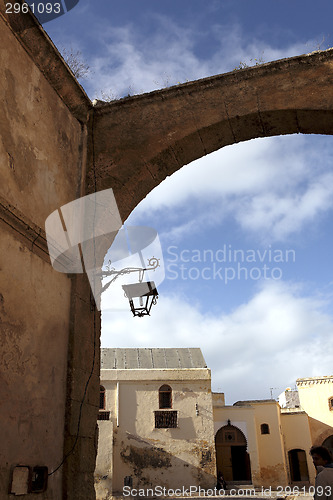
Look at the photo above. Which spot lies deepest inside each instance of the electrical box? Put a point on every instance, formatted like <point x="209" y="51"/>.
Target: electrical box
<point x="20" y="480"/>
<point x="128" y="481"/>
<point x="39" y="479"/>
<point x="26" y="480"/>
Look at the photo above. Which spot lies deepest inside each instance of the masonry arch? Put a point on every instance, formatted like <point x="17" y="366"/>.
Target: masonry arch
<point x="141" y="141"/>
<point x="324" y="437"/>
<point x="328" y="443"/>
<point x="232" y="458"/>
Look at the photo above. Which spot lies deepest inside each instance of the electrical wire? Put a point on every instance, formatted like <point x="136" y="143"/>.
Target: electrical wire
<point x="93" y="309"/>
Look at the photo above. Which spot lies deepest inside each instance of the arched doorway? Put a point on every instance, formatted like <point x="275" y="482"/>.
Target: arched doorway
<point x="232" y="458"/>
<point x="298" y="465"/>
<point x="328" y="443"/>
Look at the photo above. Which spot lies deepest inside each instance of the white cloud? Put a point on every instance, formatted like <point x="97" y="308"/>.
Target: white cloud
<point x="277" y="336"/>
<point x="281" y="216"/>
<point x="271" y="187"/>
<point x="135" y="62"/>
<point x="246" y="168"/>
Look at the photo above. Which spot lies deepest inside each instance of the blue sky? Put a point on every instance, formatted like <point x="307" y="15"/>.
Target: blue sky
<point x="268" y="198"/>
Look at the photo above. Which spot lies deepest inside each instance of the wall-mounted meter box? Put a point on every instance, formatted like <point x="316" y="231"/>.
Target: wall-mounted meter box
<point x="27" y="479"/>
<point x="20" y="480"/>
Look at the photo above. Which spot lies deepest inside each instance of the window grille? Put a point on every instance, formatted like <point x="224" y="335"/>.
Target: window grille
<point x="165" y="419"/>
<point x="102" y="398"/>
<point x="103" y="415"/>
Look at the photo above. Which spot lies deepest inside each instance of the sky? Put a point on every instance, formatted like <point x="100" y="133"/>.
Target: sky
<point x="245" y="232"/>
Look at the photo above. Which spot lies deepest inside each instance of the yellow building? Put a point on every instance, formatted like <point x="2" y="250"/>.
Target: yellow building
<point x="160" y="426"/>
<point x="316" y="397"/>
<point x="259" y="442"/>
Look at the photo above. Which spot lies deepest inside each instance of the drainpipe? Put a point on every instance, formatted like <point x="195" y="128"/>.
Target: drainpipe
<point x="117" y="399"/>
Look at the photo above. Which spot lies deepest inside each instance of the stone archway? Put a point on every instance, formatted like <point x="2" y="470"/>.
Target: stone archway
<point x="324" y="437"/>
<point x="328" y="443"/>
<point x="141" y="140"/>
<point x="232" y="458"/>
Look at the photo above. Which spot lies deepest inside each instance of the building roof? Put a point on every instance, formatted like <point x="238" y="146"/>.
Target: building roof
<point x="314" y="380"/>
<point x="289" y="399"/>
<point x="152" y="358"/>
<point x="252" y="401"/>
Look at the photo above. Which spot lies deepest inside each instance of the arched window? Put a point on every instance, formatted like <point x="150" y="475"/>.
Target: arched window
<point x="264" y="429"/>
<point x="102" y="398"/>
<point x="330" y="403"/>
<point x="102" y="414"/>
<point x="165" y="397"/>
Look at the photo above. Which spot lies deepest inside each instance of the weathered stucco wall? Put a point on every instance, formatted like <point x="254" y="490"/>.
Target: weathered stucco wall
<point x="41" y="165"/>
<point x="297" y="435"/>
<point x="177" y="457"/>
<point x="268" y="466"/>
<point x="314" y="394"/>
<point x="34" y="323"/>
<point x="104" y="459"/>
<point x="273" y="468"/>
<point x="40" y="139"/>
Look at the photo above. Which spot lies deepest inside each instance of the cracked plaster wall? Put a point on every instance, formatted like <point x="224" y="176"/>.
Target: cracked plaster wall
<point x="40" y="170"/>
<point x="178" y="457"/>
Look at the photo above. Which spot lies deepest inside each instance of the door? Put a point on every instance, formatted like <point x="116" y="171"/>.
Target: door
<point x="232" y="459"/>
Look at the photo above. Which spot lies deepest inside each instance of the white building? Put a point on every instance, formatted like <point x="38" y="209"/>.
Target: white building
<point x="157" y="427"/>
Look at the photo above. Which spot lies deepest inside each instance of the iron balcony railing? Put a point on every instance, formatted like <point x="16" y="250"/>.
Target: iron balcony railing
<point x="166" y="419"/>
<point x="103" y="415"/>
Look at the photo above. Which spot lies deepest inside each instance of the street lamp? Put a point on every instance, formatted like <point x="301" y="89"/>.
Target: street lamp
<point x="143" y="295"/>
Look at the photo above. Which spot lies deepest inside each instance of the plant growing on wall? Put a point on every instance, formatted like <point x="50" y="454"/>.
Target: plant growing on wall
<point x="75" y="61"/>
